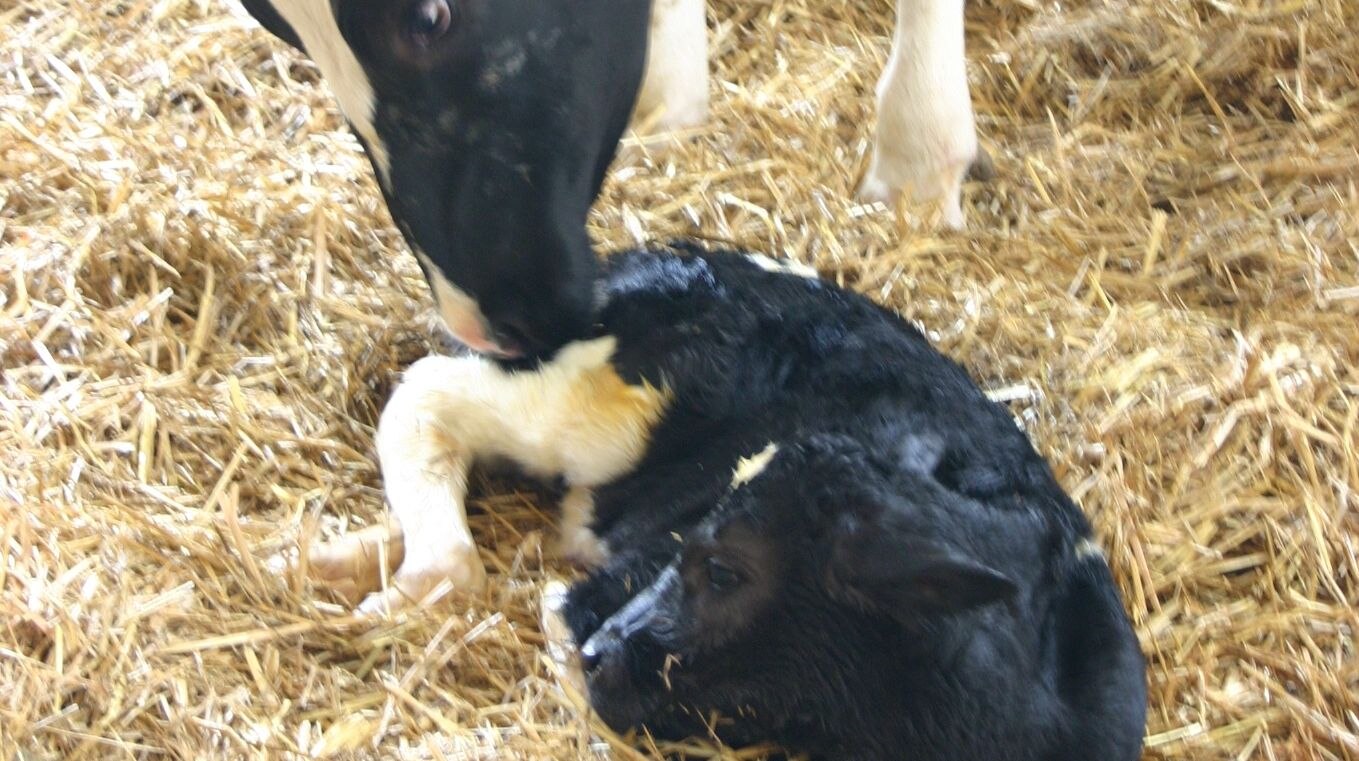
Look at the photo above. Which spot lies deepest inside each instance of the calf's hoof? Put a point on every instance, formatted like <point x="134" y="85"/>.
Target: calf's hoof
<point x="354" y="566"/>
<point x="874" y="189"/>
<point x="423" y="583"/>
<point x="577" y="543"/>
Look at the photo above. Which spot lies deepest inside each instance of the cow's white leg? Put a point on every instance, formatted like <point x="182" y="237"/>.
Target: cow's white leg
<point x="926" y="137"/>
<point x="674" y="90"/>
<point x="573" y="417"/>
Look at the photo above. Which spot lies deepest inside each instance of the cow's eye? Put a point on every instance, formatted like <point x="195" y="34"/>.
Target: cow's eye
<point x="427" y="21"/>
<point x="721" y="577"/>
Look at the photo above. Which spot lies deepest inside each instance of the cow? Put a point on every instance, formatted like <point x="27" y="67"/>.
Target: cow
<point x="490" y="125"/>
<point x="803" y="524"/>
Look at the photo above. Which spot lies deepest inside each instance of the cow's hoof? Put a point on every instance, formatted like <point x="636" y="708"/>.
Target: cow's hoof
<point x="939" y="195"/>
<point x="424" y="583"/>
<point x="983" y="168"/>
<point x="875" y="190"/>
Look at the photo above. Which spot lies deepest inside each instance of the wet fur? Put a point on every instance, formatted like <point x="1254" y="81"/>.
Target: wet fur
<point x="887" y="450"/>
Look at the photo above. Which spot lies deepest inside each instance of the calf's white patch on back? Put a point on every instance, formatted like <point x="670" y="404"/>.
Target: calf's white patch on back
<point x="787" y="266"/>
<point x="748" y="468"/>
<point x="315" y="24"/>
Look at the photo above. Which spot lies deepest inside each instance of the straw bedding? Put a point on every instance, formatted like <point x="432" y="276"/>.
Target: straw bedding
<point x="203" y="306"/>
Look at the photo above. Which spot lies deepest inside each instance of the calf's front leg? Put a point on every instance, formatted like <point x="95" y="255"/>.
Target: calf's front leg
<point x="430" y="432"/>
<point x="573" y="417"/>
<point x="926" y="136"/>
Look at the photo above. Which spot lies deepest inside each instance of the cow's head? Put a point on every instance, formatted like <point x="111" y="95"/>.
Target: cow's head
<point x="490" y="124"/>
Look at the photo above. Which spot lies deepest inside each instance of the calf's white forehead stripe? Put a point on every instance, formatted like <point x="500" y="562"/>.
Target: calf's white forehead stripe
<point x="1087" y="548"/>
<point x="314" y="22"/>
<point x="747" y="468"/>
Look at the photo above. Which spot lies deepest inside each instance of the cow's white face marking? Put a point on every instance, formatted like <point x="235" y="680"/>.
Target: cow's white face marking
<point x="747" y="468"/>
<point x="459" y="311"/>
<point x="315" y="25"/>
<point x="561" y="646"/>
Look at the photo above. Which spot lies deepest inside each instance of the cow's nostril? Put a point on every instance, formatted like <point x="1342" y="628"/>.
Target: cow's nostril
<point x="513" y="336"/>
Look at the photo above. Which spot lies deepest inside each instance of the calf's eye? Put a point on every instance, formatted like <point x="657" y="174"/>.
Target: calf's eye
<point x="721" y="577"/>
<point x="427" y="21"/>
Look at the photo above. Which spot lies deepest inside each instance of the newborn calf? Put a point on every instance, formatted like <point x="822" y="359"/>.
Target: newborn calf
<point x="805" y="525"/>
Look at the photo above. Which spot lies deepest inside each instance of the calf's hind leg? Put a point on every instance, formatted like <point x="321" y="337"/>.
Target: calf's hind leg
<point x="573" y="417"/>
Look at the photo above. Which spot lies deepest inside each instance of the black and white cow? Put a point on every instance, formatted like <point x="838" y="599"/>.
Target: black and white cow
<point x="490" y="124"/>
<point x="800" y="517"/>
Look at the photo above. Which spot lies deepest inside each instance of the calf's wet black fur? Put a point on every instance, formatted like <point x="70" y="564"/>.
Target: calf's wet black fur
<point x="836" y="542"/>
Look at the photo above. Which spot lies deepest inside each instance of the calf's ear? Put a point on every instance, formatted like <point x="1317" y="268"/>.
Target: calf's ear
<point x="269" y="18"/>
<point x="902" y="575"/>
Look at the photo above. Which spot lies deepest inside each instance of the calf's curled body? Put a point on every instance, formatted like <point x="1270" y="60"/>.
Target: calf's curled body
<point x="803" y="520"/>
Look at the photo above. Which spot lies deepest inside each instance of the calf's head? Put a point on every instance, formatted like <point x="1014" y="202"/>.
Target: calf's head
<point x="786" y="609"/>
<point x="490" y="124"/>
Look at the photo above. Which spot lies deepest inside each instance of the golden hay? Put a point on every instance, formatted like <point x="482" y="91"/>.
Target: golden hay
<point x="203" y="306"/>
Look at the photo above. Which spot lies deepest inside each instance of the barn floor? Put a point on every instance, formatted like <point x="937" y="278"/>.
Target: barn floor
<point x="203" y="306"/>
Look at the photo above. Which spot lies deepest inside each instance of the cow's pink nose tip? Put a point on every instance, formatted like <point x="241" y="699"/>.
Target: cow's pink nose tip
<point x="506" y="352"/>
<point x="496" y="350"/>
<point x="479" y="343"/>
<point x="511" y="339"/>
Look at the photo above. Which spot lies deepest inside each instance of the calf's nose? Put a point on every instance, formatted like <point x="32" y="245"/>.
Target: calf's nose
<point x="593" y="652"/>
